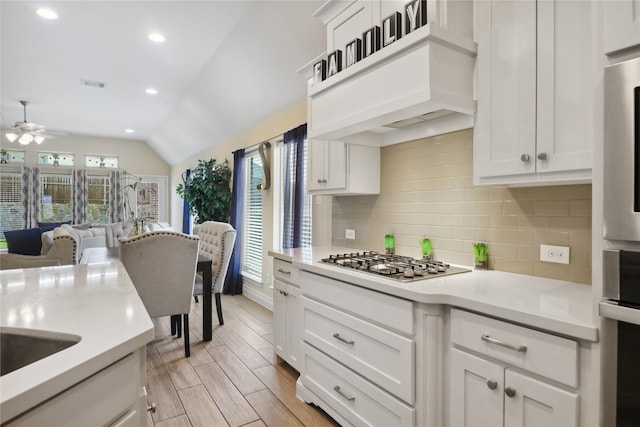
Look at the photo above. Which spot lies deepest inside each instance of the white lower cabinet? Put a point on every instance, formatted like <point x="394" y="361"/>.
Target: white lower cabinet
<point x="287" y="314"/>
<point x="359" y="354"/>
<point x="492" y="388"/>
<point x="114" y="396"/>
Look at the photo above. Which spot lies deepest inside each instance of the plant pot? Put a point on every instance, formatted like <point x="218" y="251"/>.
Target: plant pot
<point x="480" y="265"/>
<point x="428" y="257"/>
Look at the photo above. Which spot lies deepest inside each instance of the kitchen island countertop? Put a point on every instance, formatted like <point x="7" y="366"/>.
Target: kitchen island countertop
<point x="95" y="302"/>
<point x="557" y="306"/>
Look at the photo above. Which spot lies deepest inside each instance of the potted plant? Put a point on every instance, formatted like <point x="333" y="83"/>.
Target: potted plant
<point x="427" y="249"/>
<point x="389" y="244"/>
<point x="5" y="155"/>
<point x="480" y="256"/>
<point x="56" y="159"/>
<point x="208" y="191"/>
<point x="102" y="164"/>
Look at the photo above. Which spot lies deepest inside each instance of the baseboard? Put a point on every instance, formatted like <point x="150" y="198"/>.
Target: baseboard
<point x="257" y="297"/>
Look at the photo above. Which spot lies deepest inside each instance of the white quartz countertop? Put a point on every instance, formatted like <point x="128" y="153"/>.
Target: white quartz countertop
<point x="96" y="302"/>
<point x="553" y="305"/>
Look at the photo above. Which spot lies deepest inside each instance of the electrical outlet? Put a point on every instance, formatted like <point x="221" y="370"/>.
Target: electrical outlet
<point x="558" y="254"/>
<point x="350" y="234"/>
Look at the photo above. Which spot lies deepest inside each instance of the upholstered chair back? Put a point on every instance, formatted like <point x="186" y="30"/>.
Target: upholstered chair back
<point x="66" y="245"/>
<point x="162" y="267"/>
<point x="216" y="243"/>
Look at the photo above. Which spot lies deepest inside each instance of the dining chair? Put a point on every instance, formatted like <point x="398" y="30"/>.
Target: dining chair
<point x="216" y="243"/>
<point x="162" y="267"/>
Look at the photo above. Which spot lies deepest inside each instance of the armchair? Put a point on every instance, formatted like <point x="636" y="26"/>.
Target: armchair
<point x="162" y="267"/>
<point x="216" y="243"/>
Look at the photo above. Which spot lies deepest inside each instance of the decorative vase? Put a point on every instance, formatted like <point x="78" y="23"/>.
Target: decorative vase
<point x="139" y="227"/>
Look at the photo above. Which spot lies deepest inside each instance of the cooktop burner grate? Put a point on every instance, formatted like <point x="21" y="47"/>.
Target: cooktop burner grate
<point x="398" y="267"/>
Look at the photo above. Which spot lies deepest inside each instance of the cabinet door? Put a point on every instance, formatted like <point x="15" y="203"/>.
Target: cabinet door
<point x="336" y="165"/>
<point x="475" y="391"/>
<point x="566" y="98"/>
<point x="621" y="24"/>
<point x="279" y="319"/>
<point x="315" y="159"/>
<point x="537" y="404"/>
<point x="349" y="24"/>
<point x="505" y="128"/>
<point x="295" y="327"/>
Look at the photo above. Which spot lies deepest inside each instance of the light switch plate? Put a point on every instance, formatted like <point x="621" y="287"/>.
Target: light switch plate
<point x="350" y="234"/>
<point x="557" y="254"/>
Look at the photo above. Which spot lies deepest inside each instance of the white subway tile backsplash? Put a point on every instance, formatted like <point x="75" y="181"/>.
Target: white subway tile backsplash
<point x="427" y="191"/>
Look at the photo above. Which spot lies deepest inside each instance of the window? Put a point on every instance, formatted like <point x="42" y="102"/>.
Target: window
<point x="11" y="209"/>
<point x="56" y="198"/>
<point x="101" y="161"/>
<point x="252" y="245"/>
<point x="13" y="156"/>
<point x="147" y="200"/>
<point x="55" y="159"/>
<point x="98" y="190"/>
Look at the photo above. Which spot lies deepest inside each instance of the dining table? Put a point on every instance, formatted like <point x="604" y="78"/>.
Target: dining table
<point x="105" y="255"/>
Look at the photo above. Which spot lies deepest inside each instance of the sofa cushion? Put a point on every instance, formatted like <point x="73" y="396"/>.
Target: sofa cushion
<point x="25" y="242"/>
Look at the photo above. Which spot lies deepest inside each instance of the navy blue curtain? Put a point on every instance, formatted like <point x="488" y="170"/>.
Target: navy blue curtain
<point x="233" y="281"/>
<point x="186" y="215"/>
<point x="294" y="186"/>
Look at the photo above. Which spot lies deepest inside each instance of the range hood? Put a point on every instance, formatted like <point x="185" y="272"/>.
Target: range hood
<point x="425" y="76"/>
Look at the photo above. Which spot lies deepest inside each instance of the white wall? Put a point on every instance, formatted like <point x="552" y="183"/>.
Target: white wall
<point x="135" y="156"/>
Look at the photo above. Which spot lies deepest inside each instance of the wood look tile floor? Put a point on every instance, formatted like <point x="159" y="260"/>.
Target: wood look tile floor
<point x="233" y="380"/>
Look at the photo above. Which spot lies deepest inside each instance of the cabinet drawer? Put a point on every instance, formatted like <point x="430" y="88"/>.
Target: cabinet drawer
<point x="283" y="270"/>
<point x="382" y="309"/>
<point x="383" y="357"/>
<point x="353" y="397"/>
<point x="544" y="354"/>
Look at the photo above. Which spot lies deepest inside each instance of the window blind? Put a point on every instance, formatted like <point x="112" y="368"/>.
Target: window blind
<point x="252" y="259"/>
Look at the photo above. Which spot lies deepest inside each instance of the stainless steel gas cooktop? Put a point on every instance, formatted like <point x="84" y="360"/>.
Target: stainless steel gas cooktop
<point x="398" y="267"/>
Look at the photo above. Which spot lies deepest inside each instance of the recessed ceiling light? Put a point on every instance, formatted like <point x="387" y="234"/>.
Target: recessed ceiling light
<point x="47" y="13"/>
<point x="128" y="130"/>
<point x="156" y="37"/>
<point x="151" y="91"/>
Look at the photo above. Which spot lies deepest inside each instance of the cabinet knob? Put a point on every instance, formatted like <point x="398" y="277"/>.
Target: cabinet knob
<point x="492" y="384"/>
<point x="319" y="181"/>
<point x="542" y="156"/>
<point x="510" y="391"/>
<point x="151" y="407"/>
<point x="525" y="157"/>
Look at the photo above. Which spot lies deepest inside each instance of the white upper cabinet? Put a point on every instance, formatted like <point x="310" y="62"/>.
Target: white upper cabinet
<point x="621" y="25"/>
<point x="336" y="167"/>
<point x="536" y="85"/>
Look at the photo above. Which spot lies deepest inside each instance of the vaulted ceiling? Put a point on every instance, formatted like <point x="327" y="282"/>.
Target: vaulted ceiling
<point x="224" y="66"/>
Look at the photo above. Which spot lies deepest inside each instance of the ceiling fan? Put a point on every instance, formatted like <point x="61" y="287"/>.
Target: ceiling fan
<point x="25" y="132"/>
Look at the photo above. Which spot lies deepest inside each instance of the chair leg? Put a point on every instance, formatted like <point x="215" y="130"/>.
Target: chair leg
<point x="174" y="323"/>
<point x="187" y="348"/>
<point x="178" y="326"/>
<point x="195" y="298"/>
<point x="219" y="308"/>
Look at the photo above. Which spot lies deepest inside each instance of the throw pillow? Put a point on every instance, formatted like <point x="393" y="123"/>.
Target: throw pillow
<point x="52" y="224"/>
<point x="25" y="242"/>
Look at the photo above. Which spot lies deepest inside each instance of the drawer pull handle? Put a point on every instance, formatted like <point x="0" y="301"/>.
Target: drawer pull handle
<point x="341" y="393"/>
<point x="339" y="338"/>
<point x="283" y="271"/>
<point x="518" y="348"/>
<point x="510" y="391"/>
<point x="492" y="384"/>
